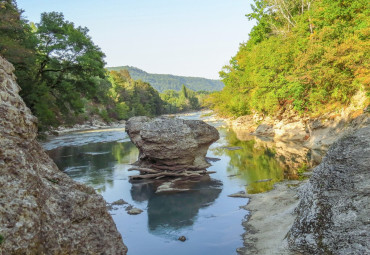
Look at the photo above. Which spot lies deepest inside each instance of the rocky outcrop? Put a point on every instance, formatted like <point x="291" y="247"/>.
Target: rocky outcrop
<point x="42" y="210"/>
<point x="333" y="213"/>
<point x="315" y="133"/>
<point x="171" y="143"/>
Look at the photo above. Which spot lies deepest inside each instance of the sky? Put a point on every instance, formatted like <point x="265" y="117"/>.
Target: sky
<point x="181" y="37"/>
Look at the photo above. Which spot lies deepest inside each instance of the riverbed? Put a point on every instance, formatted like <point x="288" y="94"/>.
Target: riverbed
<point x="210" y="220"/>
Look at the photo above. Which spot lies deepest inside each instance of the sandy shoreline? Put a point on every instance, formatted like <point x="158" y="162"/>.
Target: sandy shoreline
<point x="271" y="216"/>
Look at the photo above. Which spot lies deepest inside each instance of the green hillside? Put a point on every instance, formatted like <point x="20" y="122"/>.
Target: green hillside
<point x="312" y="55"/>
<point x="162" y="82"/>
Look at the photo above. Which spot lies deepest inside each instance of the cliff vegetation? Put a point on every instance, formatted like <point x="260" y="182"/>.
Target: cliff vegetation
<point x="312" y="55"/>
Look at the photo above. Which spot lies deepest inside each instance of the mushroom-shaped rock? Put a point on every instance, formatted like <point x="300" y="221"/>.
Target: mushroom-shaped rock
<point x="171" y="143"/>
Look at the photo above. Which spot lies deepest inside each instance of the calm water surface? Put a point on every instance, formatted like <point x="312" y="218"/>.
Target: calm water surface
<point x="205" y="215"/>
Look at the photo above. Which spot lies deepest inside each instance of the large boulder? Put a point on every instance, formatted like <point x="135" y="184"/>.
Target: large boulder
<point x="171" y="143"/>
<point x="42" y="210"/>
<point x="333" y="213"/>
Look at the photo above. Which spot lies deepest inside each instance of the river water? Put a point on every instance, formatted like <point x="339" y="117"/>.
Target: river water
<point x="210" y="220"/>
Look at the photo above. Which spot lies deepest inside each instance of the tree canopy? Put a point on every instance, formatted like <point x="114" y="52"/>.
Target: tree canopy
<point x="313" y="55"/>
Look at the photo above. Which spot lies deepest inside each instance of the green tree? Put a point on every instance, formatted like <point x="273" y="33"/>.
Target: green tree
<point x="312" y="55"/>
<point x="70" y="65"/>
<point x="133" y="97"/>
<point x="17" y="43"/>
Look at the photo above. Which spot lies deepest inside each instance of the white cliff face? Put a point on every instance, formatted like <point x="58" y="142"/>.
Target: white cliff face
<point x="42" y="210"/>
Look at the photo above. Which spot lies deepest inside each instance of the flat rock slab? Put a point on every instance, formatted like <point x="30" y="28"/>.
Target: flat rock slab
<point x="231" y="148"/>
<point x="134" y="211"/>
<point x="240" y="194"/>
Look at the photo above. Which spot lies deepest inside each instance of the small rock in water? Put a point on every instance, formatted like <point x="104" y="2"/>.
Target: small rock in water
<point x="119" y="202"/>
<point x="134" y="211"/>
<point x="209" y="159"/>
<point x="182" y="238"/>
<point x="230" y="148"/>
<point x="239" y="194"/>
<point x="233" y="175"/>
<point x="169" y="187"/>
<point x="264" y="180"/>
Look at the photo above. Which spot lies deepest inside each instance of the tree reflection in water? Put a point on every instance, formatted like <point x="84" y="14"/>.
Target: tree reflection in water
<point x="93" y="163"/>
<point x="259" y="162"/>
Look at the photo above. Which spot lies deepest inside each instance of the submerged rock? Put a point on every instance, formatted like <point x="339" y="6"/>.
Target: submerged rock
<point x="182" y="238"/>
<point x="171" y="144"/>
<point x="134" y="211"/>
<point x="333" y="213"/>
<point x="42" y="210"/>
<point x="241" y="194"/>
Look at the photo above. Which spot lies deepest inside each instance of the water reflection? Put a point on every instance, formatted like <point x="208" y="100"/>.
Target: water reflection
<point x="168" y="212"/>
<point x="205" y="214"/>
<point x="261" y="162"/>
<point x="93" y="163"/>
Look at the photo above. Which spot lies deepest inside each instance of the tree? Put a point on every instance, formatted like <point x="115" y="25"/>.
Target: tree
<point x="69" y="68"/>
<point x="133" y="97"/>
<point x="312" y="55"/>
<point x="17" y="43"/>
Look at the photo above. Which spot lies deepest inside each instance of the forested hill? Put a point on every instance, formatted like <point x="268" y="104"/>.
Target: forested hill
<point x="309" y="55"/>
<point x="162" y="82"/>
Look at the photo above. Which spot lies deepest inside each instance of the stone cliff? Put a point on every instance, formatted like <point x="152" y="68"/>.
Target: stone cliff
<point x="42" y="210"/>
<point x="333" y="213"/>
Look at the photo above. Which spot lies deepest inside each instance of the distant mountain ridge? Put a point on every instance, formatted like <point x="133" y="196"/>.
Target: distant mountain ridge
<point x="162" y="82"/>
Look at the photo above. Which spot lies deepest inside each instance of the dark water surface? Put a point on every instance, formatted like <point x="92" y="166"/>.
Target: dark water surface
<point x="209" y="219"/>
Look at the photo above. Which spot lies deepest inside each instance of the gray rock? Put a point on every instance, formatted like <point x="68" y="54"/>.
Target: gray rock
<point x="42" y="210"/>
<point x="171" y="142"/>
<point x="265" y="130"/>
<point x="119" y="202"/>
<point x="333" y="213"/>
<point x="182" y="238"/>
<point x="241" y="194"/>
<point x="134" y="211"/>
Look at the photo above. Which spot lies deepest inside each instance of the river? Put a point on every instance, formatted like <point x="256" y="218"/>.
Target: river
<point x="210" y="220"/>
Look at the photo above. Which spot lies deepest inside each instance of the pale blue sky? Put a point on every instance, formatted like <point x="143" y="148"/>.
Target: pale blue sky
<point x="181" y="37"/>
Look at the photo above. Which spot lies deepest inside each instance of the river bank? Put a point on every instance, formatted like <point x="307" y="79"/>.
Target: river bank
<point x="270" y="218"/>
<point x="98" y="123"/>
<point x="272" y="214"/>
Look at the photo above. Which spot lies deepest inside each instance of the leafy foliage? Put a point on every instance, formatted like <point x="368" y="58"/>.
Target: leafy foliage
<point x="132" y="97"/>
<point x="162" y="82"/>
<point x="313" y="55"/>
<point x="184" y="100"/>
<point x="63" y="79"/>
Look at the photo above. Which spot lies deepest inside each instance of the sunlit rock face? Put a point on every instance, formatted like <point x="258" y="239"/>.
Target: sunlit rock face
<point x="42" y="210"/>
<point x="333" y="213"/>
<point x="170" y="143"/>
